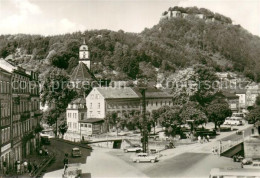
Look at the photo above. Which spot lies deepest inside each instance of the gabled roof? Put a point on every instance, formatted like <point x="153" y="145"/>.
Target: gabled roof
<point x="7" y="66"/>
<point x="82" y="73"/>
<point x="117" y="92"/>
<point x="5" y="71"/>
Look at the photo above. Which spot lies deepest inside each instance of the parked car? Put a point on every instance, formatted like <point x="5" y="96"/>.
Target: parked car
<point x="254" y="165"/>
<point x="144" y="157"/>
<point x="75" y="152"/>
<point x="247" y="161"/>
<point x="48" y="133"/>
<point x="241" y="115"/>
<point x="133" y="148"/>
<point x="154" y="137"/>
<point x="225" y="128"/>
<point x="233" y="121"/>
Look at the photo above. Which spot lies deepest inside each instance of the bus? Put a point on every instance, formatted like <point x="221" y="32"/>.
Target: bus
<point x="234" y="173"/>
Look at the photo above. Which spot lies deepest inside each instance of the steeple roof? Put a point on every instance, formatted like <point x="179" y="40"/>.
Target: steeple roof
<point x="82" y="73"/>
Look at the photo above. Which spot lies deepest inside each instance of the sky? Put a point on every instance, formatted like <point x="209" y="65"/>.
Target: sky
<point x="50" y="17"/>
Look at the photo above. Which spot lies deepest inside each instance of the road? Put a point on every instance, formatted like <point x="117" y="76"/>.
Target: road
<point x="234" y="136"/>
<point x="189" y="165"/>
<point x="59" y="148"/>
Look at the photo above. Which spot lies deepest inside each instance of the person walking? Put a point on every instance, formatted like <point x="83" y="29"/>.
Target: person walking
<point x="18" y="167"/>
<point x="207" y="138"/>
<point x="25" y="166"/>
<point x="65" y="162"/>
<point x="29" y="168"/>
<point x="199" y="139"/>
<point x="4" y="167"/>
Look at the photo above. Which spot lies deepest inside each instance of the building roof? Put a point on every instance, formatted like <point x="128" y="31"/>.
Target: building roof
<point x="240" y="91"/>
<point x="7" y="66"/>
<point x="153" y="93"/>
<point x="5" y="71"/>
<point x="82" y="73"/>
<point x="91" y="120"/>
<point x="117" y="92"/>
<point x="229" y="95"/>
<point x="79" y="101"/>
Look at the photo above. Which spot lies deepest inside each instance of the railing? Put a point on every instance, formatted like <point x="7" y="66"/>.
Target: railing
<point x="229" y="144"/>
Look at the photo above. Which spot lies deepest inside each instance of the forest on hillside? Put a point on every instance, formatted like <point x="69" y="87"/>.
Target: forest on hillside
<point x="170" y="45"/>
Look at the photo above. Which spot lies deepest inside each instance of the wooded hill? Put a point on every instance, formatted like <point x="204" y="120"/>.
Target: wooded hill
<point x="172" y="44"/>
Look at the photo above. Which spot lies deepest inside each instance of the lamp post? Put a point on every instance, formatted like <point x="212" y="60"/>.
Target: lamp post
<point x="145" y="131"/>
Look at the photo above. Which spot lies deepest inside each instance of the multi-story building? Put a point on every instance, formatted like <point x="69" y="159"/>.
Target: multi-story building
<point x="25" y="110"/>
<point x="155" y="98"/>
<point x="252" y="92"/>
<point x="242" y="99"/>
<point x="76" y="111"/>
<point x="232" y="100"/>
<point x="102" y="100"/>
<point x="5" y="117"/>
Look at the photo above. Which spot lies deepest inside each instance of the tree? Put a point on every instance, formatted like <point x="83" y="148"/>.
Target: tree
<point x="56" y="94"/>
<point x="113" y="119"/>
<point x="217" y="111"/>
<point x="154" y="118"/>
<point x="257" y="101"/>
<point x="63" y="128"/>
<point x="191" y="112"/>
<point x="204" y="78"/>
<point x="254" y="115"/>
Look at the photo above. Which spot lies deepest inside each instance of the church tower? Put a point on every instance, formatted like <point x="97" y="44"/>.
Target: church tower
<point x="84" y="54"/>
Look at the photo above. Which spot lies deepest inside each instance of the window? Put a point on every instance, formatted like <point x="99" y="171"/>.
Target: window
<point x="90" y="105"/>
<point x="90" y="113"/>
<point x="98" y="112"/>
<point x="89" y="125"/>
<point x="98" y="105"/>
<point x="156" y="103"/>
<point x="97" y="96"/>
<point x="92" y="96"/>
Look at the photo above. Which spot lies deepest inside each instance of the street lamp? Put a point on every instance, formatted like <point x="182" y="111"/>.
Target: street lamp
<point x="145" y="131"/>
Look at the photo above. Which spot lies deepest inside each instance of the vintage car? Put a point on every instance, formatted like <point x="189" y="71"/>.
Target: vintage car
<point x="133" y="148"/>
<point x="75" y="152"/>
<point x="145" y="157"/>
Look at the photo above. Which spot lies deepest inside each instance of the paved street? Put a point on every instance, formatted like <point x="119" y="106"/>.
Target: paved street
<point x="59" y="148"/>
<point x="189" y="165"/>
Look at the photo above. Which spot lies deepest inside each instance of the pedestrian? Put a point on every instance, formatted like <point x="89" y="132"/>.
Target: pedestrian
<point x="29" y="168"/>
<point x="204" y="139"/>
<point x="22" y="168"/>
<point x="40" y="152"/>
<point x="25" y="166"/>
<point x="208" y="138"/>
<point x="18" y="167"/>
<point x="34" y="165"/>
<point x="4" y="167"/>
<point x="199" y="139"/>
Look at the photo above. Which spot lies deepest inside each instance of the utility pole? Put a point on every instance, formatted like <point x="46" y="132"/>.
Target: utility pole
<point x="145" y="131"/>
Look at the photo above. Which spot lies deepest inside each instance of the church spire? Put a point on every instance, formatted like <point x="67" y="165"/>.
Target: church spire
<point x="84" y="54"/>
